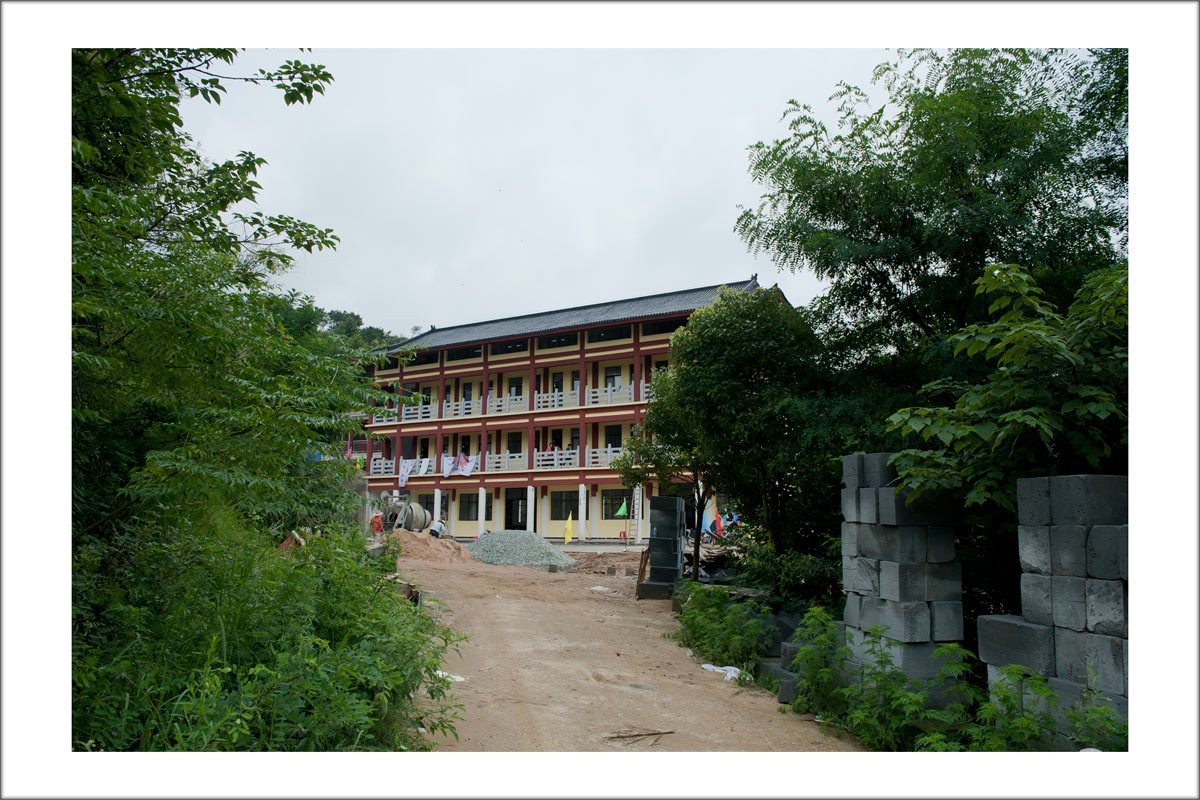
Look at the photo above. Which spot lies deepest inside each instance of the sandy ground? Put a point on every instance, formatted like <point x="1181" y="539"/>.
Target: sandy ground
<point x="568" y="661"/>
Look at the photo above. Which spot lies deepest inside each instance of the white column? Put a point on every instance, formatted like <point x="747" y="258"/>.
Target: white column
<point x="637" y="513"/>
<point x="482" y="511"/>
<point x="530" y="507"/>
<point x="437" y="504"/>
<point x="582" y="514"/>
<point x="595" y="514"/>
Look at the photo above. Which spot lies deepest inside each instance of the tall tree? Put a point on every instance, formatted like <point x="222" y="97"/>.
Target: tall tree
<point x="749" y="379"/>
<point x="978" y="157"/>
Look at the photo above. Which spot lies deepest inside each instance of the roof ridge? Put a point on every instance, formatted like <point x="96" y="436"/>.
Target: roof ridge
<point x="433" y="329"/>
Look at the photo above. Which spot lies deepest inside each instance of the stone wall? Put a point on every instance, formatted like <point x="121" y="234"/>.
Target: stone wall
<point x="899" y="570"/>
<point x="1073" y="543"/>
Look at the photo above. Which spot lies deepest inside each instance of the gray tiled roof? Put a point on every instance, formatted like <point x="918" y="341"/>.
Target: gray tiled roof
<point x="684" y="301"/>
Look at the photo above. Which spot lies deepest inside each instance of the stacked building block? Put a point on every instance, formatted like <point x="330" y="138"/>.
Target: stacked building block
<point x="1073" y="543"/>
<point x="898" y="567"/>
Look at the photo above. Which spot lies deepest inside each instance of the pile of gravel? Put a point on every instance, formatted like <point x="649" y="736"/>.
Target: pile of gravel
<point x="517" y="547"/>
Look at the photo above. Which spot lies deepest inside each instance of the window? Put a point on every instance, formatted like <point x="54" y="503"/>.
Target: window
<point x="612" y="377"/>
<point x="514" y="387"/>
<point x="556" y="381"/>
<point x="466" y="391"/>
<point x="574" y="438"/>
<point x="514" y="442"/>
<point x="425" y="501"/>
<point x="610" y="333"/>
<point x="659" y="365"/>
<point x="516" y="346"/>
<point x="611" y="501"/>
<point x="468" y="506"/>
<point x="423" y="357"/>
<point x="612" y="435"/>
<point x="661" y="326"/>
<point x="557" y="340"/>
<point x="460" y="353"/>
<point x="563" y="503"/>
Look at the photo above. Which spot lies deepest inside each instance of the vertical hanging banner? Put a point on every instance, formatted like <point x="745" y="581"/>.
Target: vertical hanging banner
<point x="406" y="466"/>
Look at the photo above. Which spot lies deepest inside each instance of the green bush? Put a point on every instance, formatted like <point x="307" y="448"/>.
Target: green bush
<point x="726" y="630"/>
<point x="886" y="710"/>
<point x="792" y="577"/>
<point x="215" y="640"/>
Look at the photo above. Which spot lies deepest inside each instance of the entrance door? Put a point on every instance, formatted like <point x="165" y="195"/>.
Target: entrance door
<point x="515" y="509"/>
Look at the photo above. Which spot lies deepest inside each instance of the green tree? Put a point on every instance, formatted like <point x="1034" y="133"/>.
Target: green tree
<point x="199" y="418"/>
<point x="748" y="378"/>
<point x="1055" y="402"/>
<point x="978" y="157"/>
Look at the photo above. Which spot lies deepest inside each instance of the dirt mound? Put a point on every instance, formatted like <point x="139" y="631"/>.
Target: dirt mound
<point x="423" y="547"/>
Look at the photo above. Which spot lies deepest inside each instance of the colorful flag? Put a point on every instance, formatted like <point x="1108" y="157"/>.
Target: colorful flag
<point x="567" y="535"/>
<point x="622" y="512"/>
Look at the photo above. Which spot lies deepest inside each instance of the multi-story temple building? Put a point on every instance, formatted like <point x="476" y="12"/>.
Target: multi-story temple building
<point x="513" y="423"/>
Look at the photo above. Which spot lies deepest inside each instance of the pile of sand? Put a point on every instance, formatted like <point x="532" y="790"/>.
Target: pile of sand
<point x="423" y="547"/>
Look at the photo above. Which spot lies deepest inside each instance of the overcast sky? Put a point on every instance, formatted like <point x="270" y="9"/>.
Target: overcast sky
<point x="473" y="184"/>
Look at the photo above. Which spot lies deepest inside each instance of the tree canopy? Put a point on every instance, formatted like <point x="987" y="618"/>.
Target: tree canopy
<point x="978" y="157"/>
<point x="200" y="412"/>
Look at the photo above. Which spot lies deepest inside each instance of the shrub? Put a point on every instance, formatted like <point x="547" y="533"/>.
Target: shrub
<point x="726" y="630"/>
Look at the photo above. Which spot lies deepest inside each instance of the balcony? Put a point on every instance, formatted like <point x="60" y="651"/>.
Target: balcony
<point x="602" y="456"/>
<point x="546" y="400"/>
<point x="556" y="459"/>
<point x="417" y="413"/>
<point x="506" y="462"/>
<point x="383" y="466"/>
<point x="507" y="403"/>
<point x="463" y="408"/>
<point x="608" y="395"/>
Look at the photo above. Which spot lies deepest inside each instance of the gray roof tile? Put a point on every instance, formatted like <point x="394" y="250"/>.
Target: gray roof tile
<point x="684" y="301"/>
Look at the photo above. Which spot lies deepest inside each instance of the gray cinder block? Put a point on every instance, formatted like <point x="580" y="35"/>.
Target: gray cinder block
<point x="905" y="622"/>
<point x="1106" y="607"/>
<point x="946" y="621"/>
<point x="1075" y="652"/>
<point x="860" y="575"/>
<point x="867" y="508"/>
<point x="1089" y="500"/>
<point x="850" y="539"/>
<point x="1033" y="548"/>
<point x="853" y="474"/>
<point x="1037" y="598"/>
<point x="895" y="509"/>
<point x="1033" y="501"/>
<point x="787" y="689"/>
<point x="850" y="505"/>
<point x="939" y="544"/>
<point x="1006" y="639"/>
<point x="877" y="470"/>
<point x="1068" y="550"/>
<point x="902" y="543"/>
<point x="852" y="612"/>
<point x="1070" y="602"/>
<point x="901" y="582"/>
<point x="915" y="659"/>
<point x="943" y="582"/>
<point x="1070" y="693"/>
<point x="1108" y="552"/>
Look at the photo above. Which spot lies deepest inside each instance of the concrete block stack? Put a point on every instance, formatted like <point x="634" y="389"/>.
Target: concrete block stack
<point x="1073" y="544"/>
<point x="898" y="567"/>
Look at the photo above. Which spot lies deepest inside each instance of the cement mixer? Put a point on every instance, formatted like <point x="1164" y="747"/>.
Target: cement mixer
<point x="402" y="512"/>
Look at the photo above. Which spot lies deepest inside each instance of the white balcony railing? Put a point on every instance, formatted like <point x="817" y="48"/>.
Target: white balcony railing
<point x="383" y="415"/>
<point x="647" y="395"/>
<point x="462" y="408"/>
<point x="602" y="456"/>
<point x="503" y="462"/>
<point x="555" y="459"/>
<point x="607" y="395"/>
<point x="383" y="466"/>
<point x="418" y="413"/>
<point x="544" y="400"/>
<point x="506" y="403"/>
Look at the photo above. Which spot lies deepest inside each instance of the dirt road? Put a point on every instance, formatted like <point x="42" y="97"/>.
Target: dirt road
<point x="566" y="661"/>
